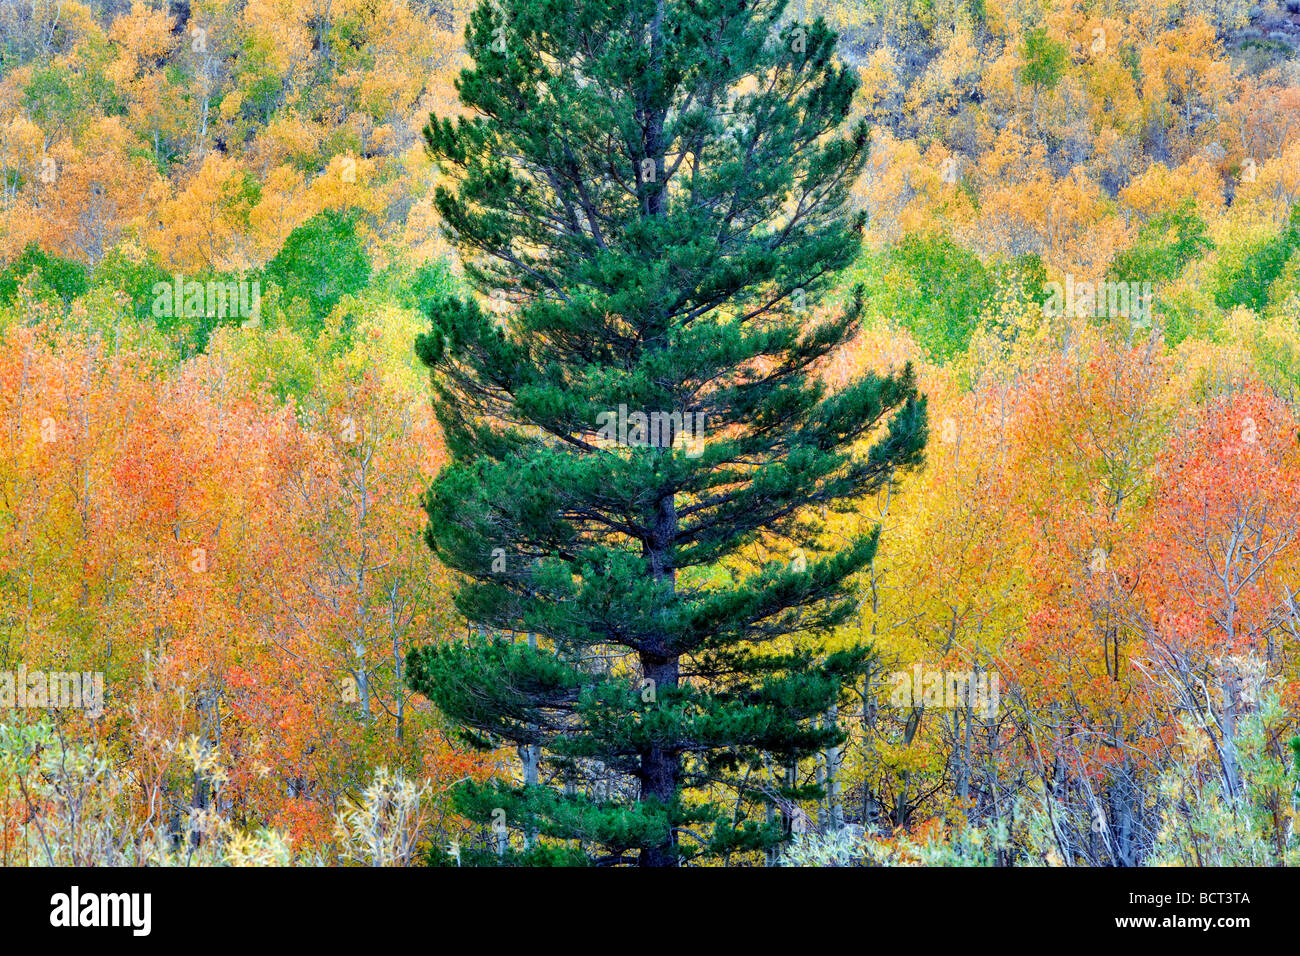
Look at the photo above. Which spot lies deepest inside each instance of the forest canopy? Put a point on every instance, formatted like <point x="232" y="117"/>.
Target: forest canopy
<point x="986" y="553"/>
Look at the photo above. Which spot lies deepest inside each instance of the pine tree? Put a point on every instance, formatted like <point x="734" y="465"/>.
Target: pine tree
<point x="652" y="193"/>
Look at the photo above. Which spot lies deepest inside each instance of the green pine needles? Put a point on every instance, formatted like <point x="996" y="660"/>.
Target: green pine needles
<point x="656" y="190"/>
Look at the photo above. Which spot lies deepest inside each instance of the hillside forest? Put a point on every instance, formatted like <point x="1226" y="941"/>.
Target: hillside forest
<point x="1064" y="618"/>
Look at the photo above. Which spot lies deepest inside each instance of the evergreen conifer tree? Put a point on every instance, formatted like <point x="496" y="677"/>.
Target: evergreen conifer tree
<point x="653" y="194"/>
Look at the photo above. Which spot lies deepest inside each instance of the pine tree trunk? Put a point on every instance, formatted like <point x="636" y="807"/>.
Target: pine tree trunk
<point x="659" y="763"/>
<point x="659" y="768"/>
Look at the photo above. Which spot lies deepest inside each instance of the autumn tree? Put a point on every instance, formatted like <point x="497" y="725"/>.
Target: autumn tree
<point x="1045" y="59"/>
<point x="656" y="189"/>
<point x="1219" y="605"/>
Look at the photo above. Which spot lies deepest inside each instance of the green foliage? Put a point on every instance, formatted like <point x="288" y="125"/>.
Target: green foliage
<point x="54" y="277"/>
<point x="261" y="88"/>
<point x="1245" y="277"/>
<point x="1190" y="313"/>
<point x="1025" y="276"/>
<point x="49" y="94"/>
<point x="935" y="289"/>
<point x="1295" y="764"/>
<point x="188" y="328"/>
<point x="321" y="261"/>
<point x="429" y="283"/>
<point x="1284" y="293"/>
<point x="1164" y="246"/>
<point x="1044" y="59"/>
<point x="60" y="95"/>
<point x="136" y="278"/>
